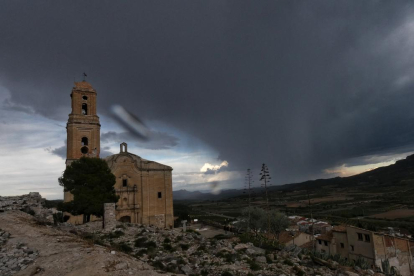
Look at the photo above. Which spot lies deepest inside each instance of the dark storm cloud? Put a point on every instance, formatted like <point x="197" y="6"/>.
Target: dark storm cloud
<point x="299" y="85"/>
<point x="61" y="151"/>
<point x="155" y="140"/>
<point x="8" y="105"/>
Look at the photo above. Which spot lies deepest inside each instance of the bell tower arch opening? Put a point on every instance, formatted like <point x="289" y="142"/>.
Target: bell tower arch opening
<point x="84" y="109"/>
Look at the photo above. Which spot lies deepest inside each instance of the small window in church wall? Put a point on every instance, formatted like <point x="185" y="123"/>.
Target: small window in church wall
<point x="84" y="150"/>
<point x="84" y="98"/>
<point x="84" y="109"/>
<point x="159" y="195"/>
<point x="84" y="141"/>
<point x="124" y="182"/>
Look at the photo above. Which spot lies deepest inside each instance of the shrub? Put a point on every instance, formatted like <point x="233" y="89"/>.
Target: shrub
<point x="167" y="240"/>
<point x="141" y="252"/>
<point x="158" y="264"/>
<point x="150" y="244"/>
<point x="288" y="262"/>
<point x="99" y="242"/>
<point x="124" y="247"/>
<point x="167" y="246"/>
<point x="184" y="246"/>
<point x="181" y="261"/>
<point x="121" y="226"/>
<point x="140" y="242"/>
<point x="254" y="266"/>
<point x="204" y="272"/>
<point x="172" y="268"/>
<point x="193" y="231"/>
<point x="114" y="235"/>
<point x="226" y="273"/>
<point x="220" y="237"/>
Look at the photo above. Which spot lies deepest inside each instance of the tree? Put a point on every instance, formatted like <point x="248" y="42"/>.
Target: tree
<point x="265" y="178"/>
<point x="257" y="219"/>
<point x="92" y="184"/>
<point x="278" y="222"/>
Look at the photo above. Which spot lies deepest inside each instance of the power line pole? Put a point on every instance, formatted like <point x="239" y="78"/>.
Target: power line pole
<point x="313" y="232"/>
<point x="247" y="189"/>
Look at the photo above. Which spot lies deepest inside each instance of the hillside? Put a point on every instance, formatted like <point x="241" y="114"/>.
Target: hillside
<point x="401" y="171"/>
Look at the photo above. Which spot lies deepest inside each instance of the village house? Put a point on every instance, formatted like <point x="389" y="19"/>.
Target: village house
<point x="294" y="238"/>
<point x="144" y="187"/>
<point x="353" y="243"/>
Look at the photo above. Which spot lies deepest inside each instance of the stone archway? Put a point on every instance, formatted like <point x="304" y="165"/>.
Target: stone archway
<point x="125" y="219"/>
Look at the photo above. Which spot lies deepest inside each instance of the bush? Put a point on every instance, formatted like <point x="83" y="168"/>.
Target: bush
<point x="140" y="242"/>
<point x="288" y="262"/>
<point x="150" y="244"/>
<point x="220" y="237"/>
<point x="158" y="264"/>
<point x="172" y="268"/>
<point x="114" y="235"/>
<point x="28" y="210"/>
<point x="254" y="266"/>
<point x="184" y="246"/>
<point x="121" y="226"/>
<point x="181" y="261"/>
<point x="167" y="240"/>
<point x="193" y="231"/>
<point x="124" y="247"/>
<point x="226" y="273"/>
<point x="167" y="246"/>
<point x="141" y="252"/>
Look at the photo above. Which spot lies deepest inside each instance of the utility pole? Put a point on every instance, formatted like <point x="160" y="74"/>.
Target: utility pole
<point x="313" y="232"/>
<point x="247" y="189"/>
<point x="265" y="177"/>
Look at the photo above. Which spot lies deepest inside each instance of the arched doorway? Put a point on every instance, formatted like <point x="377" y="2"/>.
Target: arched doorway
<point x="125" y="219"/>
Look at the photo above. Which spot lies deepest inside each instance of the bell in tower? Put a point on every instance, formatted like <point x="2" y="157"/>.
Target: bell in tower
<point x="83" y="127"/>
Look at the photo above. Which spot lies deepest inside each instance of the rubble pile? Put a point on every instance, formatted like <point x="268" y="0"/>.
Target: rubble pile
<point x="31" y="203"/>
<point x="192" y="254"/>
<point x="32" y="200"/>
<point x="14" y="257"/>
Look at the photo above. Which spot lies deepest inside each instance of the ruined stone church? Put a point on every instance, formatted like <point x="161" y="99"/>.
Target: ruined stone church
<point x="144" y="187"/>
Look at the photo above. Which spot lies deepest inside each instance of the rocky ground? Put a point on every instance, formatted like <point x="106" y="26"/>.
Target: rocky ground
<point x="31" y="245"/>
<point x="192" y="254"/>
<point x="57" y="252"/>
<point x="14" y="257"/>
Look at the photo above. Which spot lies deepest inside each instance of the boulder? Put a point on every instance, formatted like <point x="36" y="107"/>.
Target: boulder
<point x="241" y="246"/>
<point x="260" y="259"/>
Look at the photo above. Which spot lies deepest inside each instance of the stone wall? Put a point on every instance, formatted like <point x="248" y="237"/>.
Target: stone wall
<point x="109" y="216"/>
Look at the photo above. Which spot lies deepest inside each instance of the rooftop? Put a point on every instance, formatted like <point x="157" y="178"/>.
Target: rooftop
<point x="84" y="86"/>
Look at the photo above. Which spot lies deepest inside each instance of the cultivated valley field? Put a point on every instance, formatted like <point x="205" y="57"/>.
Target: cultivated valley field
<point x="376" y="199"/>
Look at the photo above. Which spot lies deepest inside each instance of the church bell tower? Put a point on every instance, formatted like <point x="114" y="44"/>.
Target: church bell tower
<point x="83" y="127"/>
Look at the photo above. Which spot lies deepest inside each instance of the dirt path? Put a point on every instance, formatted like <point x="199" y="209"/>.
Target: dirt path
<point x="62" y="253"/>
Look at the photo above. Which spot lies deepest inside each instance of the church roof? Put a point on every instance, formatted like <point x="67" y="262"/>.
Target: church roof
<point x="84" y="86"/>
<point x="140" y="163"/>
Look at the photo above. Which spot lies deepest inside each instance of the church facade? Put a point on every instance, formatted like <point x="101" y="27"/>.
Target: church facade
<point x="144" y="187"/>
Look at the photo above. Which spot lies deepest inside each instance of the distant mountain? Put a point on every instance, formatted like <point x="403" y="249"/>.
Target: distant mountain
<point x="197" y="195"/>
<point x="401" y="171"/>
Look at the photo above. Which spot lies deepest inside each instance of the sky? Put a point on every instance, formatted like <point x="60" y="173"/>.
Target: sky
<point x="314" y="89"/>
